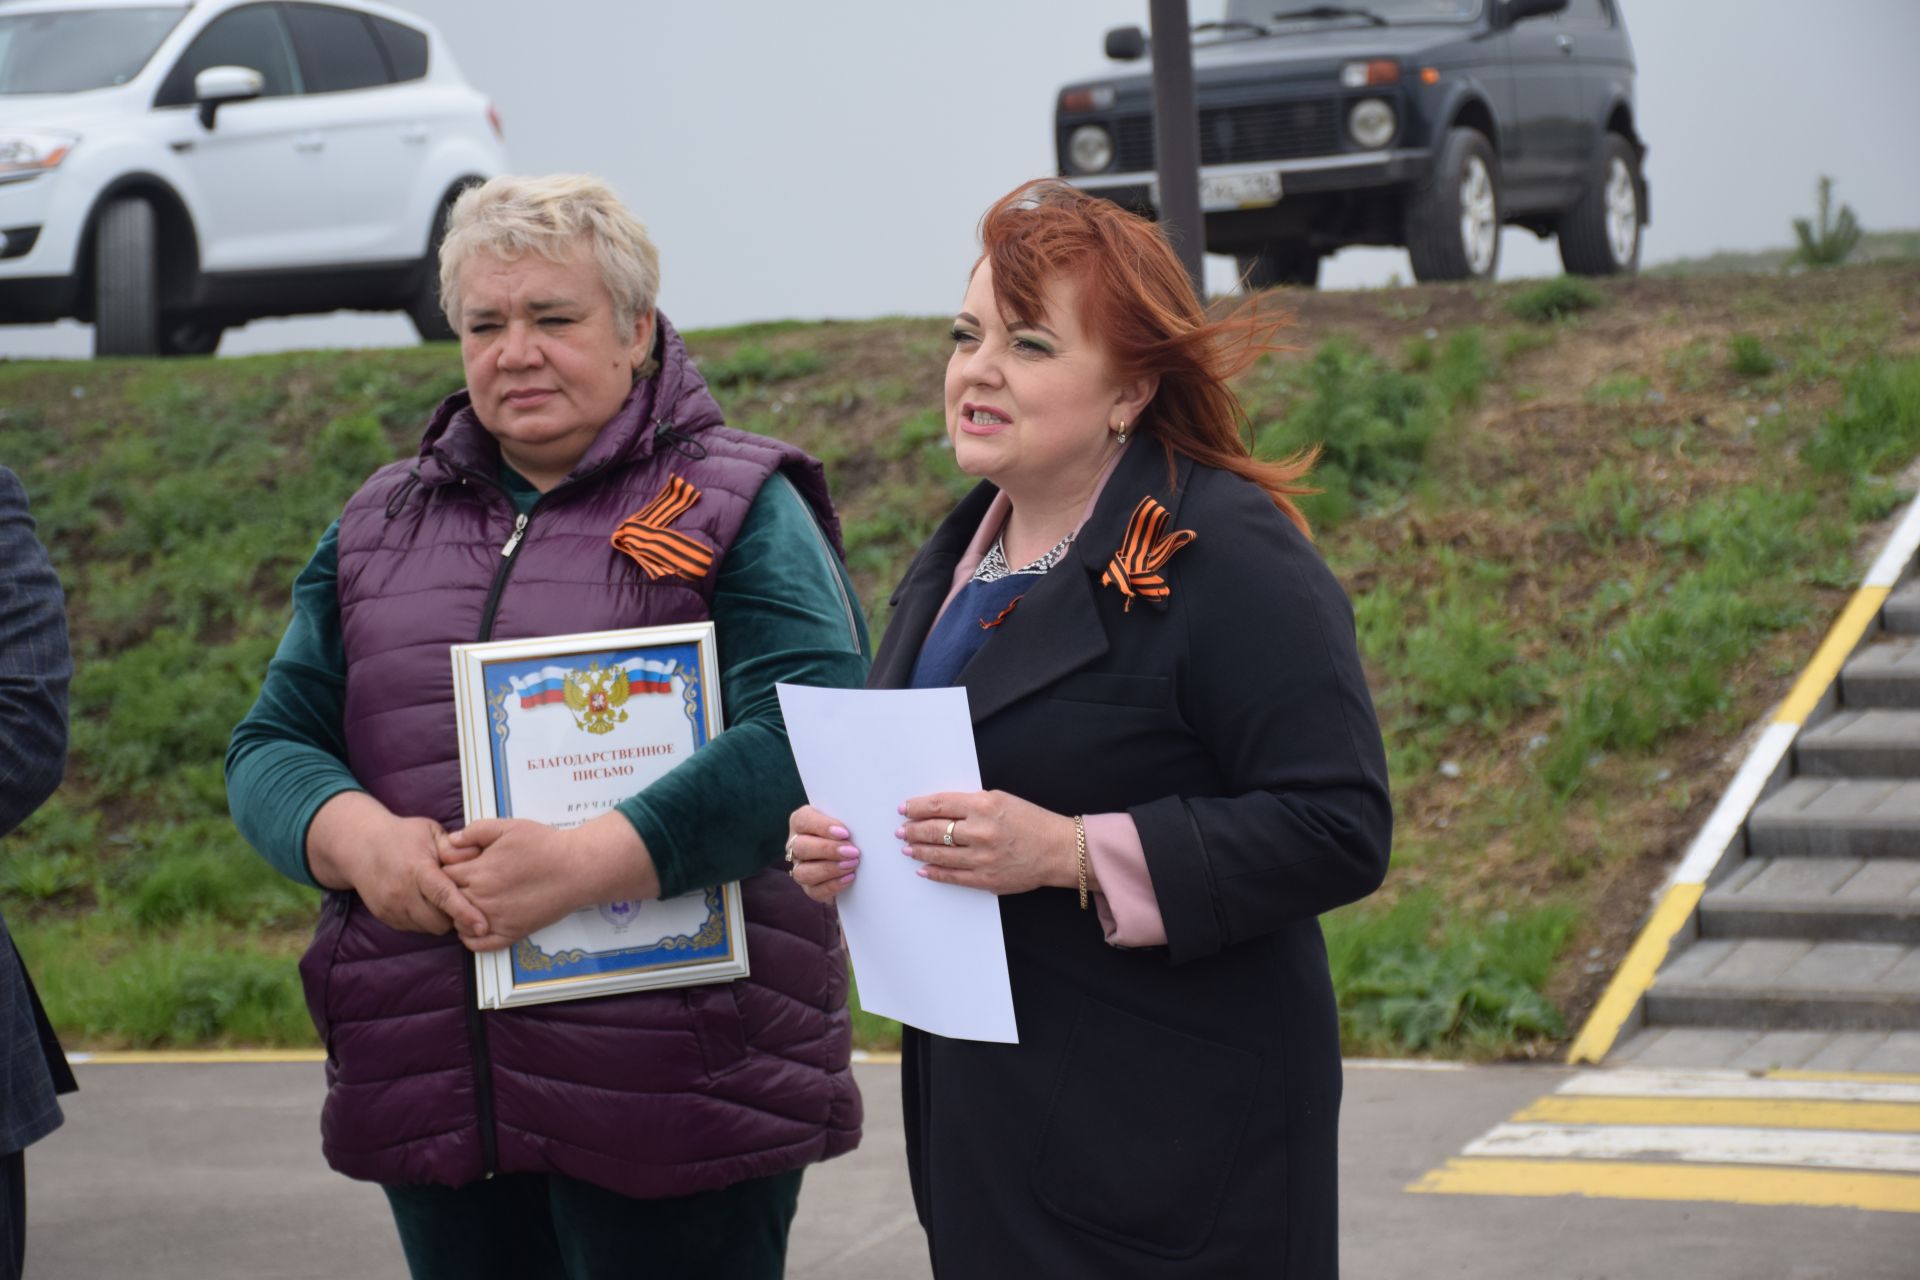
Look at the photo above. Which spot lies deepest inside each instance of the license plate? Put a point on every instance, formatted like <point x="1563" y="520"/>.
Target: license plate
<point x="1224" y="191"/>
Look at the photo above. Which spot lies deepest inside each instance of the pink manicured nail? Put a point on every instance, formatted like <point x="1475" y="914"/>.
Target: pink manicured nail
<point x="847" y="879"/>
<point x="899" y="833"/>
<point x="902" y="808"/>
<point x="847" y="851"/>
<point x="838" y="832"/>
<point x="850" y="864"/>
<point x="921" y="872"/>
<point x="908" y="850"/>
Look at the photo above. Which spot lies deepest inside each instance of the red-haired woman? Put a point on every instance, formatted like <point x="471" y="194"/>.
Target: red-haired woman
<point x="1184" y="772"/>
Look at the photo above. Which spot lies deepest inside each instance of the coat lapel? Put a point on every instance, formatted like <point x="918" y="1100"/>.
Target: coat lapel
<point x="1057" y="629"/>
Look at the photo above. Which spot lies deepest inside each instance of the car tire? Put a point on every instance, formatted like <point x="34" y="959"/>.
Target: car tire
<point x="1453" y="223"/>
<point x="429" y="320"/>
<point x="126" y="281"/>
<point x="1280" y="262"/>
<point x="1600" y="235"/>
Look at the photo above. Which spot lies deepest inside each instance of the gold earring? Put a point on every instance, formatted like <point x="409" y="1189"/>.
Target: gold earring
<point x="1120" y="436"/>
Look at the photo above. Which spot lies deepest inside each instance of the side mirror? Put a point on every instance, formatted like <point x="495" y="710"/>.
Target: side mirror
<point x="1519" y="9"/>
<point x="1129" y="44"/>
<point x="217" y="86"/>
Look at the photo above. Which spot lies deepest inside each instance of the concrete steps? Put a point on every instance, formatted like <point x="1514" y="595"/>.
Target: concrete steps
<point x="1874" y="743"/>
<point x="1817" y="900"/>
<point x="1837" y="818"/>
<point x="1886" y="674"/>
<point x="1781" y="983"/>
<point x="1901" y="614"/>
<point x="1807" y="953"/>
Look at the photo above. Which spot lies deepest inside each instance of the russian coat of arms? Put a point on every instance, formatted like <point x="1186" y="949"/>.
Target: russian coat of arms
<point x="595" y="697"/>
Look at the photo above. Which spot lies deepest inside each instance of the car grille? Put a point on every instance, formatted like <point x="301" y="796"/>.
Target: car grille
<point x="1232" y="135"/>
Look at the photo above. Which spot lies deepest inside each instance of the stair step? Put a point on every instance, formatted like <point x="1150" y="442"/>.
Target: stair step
<point x="1902" y="610"/>
<point x="1817" y="899"/>
<point x="1752" y="1049"/>
<point x="1775" y="984"/>
<point x="1883" y="674"/>
<point x="1837" y="818"/>
<point x="1861" y="744"/>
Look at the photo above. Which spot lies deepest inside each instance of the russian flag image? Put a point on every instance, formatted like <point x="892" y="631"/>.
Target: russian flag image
<point x="548" y="685"/>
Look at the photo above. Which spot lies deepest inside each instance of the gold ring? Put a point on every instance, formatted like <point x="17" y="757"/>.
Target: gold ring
<point x="947" y="839"/>
<point x="790" y="840"/>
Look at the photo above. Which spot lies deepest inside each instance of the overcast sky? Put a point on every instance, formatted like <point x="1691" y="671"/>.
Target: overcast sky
<point x="832" y="158"/>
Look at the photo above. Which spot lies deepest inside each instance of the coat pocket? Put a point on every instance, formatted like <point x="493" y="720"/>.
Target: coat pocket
<point x="717" y="1024"/>
<point x="316" y="965"/>
<point x="1140" y="1137"/>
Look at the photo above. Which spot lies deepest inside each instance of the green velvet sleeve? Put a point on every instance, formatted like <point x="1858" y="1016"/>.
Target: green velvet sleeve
<point x="289" y="756"/>
<point x="783" y="611"/>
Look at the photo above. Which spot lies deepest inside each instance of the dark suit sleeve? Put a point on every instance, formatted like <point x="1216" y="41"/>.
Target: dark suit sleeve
<point x="1272" y="684"/>
<point x="34" y="663"/>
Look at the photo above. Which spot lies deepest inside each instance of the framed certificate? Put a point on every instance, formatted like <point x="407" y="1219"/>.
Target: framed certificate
<point x="561" y="729"/>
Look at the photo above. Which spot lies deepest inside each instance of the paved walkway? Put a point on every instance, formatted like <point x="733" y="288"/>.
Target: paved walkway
<point x="199" y="1172"/>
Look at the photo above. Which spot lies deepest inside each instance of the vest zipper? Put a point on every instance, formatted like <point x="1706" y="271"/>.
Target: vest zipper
<point x="476" y="1016"/>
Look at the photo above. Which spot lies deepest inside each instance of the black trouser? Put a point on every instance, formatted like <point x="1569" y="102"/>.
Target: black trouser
<point x="529" y="1226"/>
<point x="13" y="1215"/>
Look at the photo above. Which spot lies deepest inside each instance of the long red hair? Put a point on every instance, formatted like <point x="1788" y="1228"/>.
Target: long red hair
<point x="1135" y="297"/>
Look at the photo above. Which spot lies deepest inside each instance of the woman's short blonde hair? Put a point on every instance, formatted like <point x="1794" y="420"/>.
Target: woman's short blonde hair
<point x="508" y="216"/>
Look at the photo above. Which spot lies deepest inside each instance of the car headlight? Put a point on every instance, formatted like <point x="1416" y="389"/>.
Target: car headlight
<point x="1372" y="122"/>
<point x="23" y="154"/>
<point x="1090" y="148"/>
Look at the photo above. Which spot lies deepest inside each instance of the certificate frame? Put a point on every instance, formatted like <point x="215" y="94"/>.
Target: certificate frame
<point x="549" y="729"/>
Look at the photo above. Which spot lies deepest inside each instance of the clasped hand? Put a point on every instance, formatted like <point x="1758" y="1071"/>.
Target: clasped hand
<point x="1001" y="843"/>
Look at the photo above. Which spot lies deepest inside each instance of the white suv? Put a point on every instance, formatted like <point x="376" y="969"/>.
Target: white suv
<point x="170" y="168"/>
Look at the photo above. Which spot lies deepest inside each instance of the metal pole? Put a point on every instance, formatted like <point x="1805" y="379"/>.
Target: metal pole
<point x="1176" y="135"/>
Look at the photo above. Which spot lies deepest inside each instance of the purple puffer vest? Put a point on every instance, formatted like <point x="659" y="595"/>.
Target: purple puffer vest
<point x="652" y="1094"/>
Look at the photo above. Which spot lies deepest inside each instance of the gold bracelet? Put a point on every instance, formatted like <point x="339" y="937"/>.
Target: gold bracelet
<point x="1080" y="849"/>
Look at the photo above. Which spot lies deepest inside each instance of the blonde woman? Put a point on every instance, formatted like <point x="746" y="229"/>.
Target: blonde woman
<point x="578" y="1139"/>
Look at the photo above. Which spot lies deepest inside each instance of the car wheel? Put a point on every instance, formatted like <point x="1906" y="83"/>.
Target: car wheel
<point x="1453" y="223"/>
<point x="1600" y="236"/>
<point x="126" y="281"/>
<point x="429" y="321"/>
<point x="1280" y="262"/>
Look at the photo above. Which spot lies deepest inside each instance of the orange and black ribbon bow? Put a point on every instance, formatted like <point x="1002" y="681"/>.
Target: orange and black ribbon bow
<point x="1135" y="567"/>
<point x="662" y="552"/>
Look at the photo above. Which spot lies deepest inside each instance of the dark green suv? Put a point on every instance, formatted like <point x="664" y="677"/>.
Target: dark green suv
<point x="1424" y="123"/>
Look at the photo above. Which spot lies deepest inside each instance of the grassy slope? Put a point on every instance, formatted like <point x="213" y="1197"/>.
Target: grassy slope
<point x="1585" y="554"/>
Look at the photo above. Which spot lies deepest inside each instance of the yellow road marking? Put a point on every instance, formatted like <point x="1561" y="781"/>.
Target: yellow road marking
<point x="1625" y="1180"/>
<point x="1831" y="655"/>
<point x="1870" y="1117"/>
<point x="1635" y="974"/>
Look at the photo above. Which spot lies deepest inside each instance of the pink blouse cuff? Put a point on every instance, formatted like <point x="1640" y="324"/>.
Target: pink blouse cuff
<point x="1129" y="911"/>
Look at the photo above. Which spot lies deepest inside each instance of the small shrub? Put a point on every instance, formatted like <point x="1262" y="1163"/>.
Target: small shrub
<point x="1406" y="984"/>
<point x="1749" y="358"/>
<point x="1373" y="425"/>
<point x="1876" y="427"/>
<point x="1463" y="368"/>
<point x="1829" y="239"/>
<point x="1556" y="299"/>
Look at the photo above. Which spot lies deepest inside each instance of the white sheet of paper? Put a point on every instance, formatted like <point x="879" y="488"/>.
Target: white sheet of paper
<point x="930" y="955"/>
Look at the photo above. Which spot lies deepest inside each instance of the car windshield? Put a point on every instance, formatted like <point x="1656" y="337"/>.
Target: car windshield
<point x="72" y="50"/>
<point x="1263" y="12"/>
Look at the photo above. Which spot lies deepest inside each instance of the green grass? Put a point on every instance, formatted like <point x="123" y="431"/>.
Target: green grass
<point x="1556" y="299"/>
